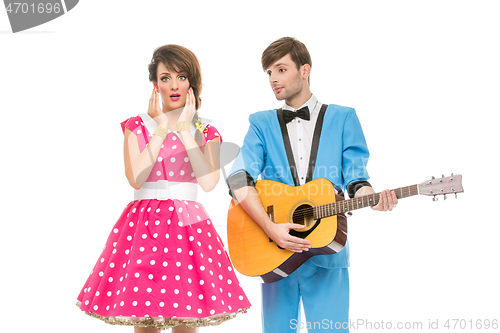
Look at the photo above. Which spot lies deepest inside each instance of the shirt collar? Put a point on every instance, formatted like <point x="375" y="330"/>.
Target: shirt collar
<point x="311" y="104"/>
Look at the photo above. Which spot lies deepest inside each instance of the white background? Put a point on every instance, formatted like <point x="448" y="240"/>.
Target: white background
<point x="422" y="75"/>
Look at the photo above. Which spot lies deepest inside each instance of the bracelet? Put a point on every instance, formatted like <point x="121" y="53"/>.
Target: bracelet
<point x="183" y="126"/>
<point x="161" y="131"/>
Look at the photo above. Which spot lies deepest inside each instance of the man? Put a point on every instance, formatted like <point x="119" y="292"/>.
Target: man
<point x="308" y="140"/>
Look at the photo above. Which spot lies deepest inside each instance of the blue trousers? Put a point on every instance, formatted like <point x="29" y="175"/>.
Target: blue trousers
<point x="323" y="292"/>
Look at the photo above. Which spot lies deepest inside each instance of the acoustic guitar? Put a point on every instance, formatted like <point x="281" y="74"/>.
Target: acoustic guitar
<point x="315" y="205"/>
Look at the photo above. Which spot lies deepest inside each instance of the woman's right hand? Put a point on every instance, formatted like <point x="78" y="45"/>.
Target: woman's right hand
<point x="155" y="111"/>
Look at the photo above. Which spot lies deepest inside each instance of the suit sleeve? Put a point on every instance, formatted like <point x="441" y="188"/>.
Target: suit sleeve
<point x="250" y="161"/>
<point x="355" y="151"/>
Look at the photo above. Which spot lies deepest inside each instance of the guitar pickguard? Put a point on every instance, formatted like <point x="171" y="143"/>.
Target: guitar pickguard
<point x="304" y="234"/>
<point x="302" y="213"/>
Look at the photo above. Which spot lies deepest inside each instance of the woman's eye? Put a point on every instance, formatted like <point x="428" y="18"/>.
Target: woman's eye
<point x="182" y="77"/>
<point x="165" y="79"/>
<point x="282" y="70"/>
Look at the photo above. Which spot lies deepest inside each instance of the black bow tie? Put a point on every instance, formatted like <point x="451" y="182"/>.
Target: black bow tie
<point x="303" y="113"/>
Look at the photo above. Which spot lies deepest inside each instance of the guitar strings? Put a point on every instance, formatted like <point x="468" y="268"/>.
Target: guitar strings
<point x="309" y="211"/>
<point x="339" y="204"/>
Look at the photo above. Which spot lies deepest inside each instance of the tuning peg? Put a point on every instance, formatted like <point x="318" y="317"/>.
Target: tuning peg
<point x="444" y="196"/>
<point x="456" y="196"/>
<point x="435" y="198"/>
<point x="433" y="177"/>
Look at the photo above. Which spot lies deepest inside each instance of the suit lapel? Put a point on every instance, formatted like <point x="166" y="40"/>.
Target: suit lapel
<point x="288" y="147"/>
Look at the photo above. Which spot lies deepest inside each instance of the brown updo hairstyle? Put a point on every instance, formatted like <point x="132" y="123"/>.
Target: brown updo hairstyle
<point x="180" y="59"/>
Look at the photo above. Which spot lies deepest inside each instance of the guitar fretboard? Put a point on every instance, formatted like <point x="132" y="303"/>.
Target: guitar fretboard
<point x="344" y="206"/>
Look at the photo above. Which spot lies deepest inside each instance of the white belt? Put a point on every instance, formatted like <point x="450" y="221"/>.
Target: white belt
<point x="164" y="190"/>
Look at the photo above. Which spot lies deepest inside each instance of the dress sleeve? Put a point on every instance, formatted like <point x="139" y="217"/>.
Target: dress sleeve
<point x="210" y="133"/>
<point x="136" y="126"/>
<point x="132" y="123"/>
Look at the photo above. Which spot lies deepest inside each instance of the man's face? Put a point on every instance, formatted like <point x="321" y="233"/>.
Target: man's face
<point x="285" y="78"/>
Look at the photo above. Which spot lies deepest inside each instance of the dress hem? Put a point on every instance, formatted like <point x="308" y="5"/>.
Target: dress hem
<point x="165" y="323"/>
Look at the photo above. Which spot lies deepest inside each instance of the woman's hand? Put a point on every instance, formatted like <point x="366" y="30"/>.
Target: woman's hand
<point x="189" y="109"/>
<point x="155" y="111"/>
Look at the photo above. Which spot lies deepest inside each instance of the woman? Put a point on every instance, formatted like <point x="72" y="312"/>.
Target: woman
<point x="164" y="264"/>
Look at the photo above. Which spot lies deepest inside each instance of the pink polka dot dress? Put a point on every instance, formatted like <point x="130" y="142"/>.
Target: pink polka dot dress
<point x="163" y="263"/>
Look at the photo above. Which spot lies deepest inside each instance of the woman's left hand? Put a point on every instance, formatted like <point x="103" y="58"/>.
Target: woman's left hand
<point x="189" y="109"/>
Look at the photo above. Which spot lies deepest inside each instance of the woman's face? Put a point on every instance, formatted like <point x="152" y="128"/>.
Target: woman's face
<point x="173" y="87"/>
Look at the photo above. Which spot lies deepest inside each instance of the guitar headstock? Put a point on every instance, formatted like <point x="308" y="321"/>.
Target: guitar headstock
<point x="444" y="185"/>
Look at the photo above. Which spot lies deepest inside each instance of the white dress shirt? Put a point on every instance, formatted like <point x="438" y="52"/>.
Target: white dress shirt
<point x="301" y="134"/>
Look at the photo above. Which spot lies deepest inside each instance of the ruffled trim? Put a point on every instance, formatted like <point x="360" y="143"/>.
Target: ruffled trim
<point x="165" y="323"/>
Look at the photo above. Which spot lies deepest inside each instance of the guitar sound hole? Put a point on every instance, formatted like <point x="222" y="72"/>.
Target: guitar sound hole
<point x="303" y="215"/>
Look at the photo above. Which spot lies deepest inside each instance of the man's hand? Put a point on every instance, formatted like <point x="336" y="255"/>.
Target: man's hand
<point x="279" y="233"/>
<point x="388" y="201"/>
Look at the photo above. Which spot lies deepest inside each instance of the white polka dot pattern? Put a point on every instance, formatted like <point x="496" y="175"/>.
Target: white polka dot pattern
<point x="138" y="274"/>
<point x="172" y="163"/>
<point x="163" y="258"/>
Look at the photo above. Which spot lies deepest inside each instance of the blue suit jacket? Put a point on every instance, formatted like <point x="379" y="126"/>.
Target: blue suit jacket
<point x="342" y="157"/>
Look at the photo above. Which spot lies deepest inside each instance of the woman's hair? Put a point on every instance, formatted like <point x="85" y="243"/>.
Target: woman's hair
<point x="283" y="46"/>
<point x="180" y="59"/>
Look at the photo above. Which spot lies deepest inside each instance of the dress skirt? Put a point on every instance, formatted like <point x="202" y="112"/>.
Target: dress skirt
<point x="158" y="271"/>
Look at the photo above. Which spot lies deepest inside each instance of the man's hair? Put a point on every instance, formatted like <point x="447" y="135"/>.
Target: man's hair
<point x="283" y="46"/>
